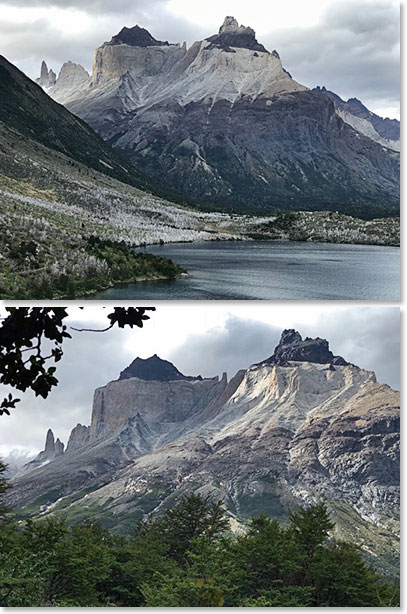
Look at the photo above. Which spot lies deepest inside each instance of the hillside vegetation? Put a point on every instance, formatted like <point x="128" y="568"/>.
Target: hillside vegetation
<point x="187" y="557"/>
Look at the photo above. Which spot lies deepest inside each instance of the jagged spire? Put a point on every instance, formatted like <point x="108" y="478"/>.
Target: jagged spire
<point x="49" y="442"/>
<point x="59" y="448"/>
<point x="44" y="71"/>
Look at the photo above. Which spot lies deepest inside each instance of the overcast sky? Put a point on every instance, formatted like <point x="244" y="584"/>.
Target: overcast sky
<point x="350" y="46"/>
<point x="198" y="338"/>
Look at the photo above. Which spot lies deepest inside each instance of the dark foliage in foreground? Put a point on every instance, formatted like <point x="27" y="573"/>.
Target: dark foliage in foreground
<point x="185" y="558"/>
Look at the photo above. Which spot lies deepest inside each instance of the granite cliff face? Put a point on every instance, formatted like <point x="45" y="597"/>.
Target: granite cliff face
<point x="301" y="426"/>
<point x="225" y="124"/>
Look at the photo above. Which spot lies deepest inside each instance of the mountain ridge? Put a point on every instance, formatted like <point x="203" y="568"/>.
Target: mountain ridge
<point x="178" y="114"/>
<point x="274" y="436"/>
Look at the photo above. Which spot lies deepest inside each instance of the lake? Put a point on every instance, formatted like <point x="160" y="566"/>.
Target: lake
<point x="268" y="270"/>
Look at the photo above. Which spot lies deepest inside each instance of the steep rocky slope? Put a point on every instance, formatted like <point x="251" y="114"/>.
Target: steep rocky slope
<point x="26" y="109"/>
<point x="225" y="124"/>
<point x="302" y="426"/>
<point x="353" y="112"/>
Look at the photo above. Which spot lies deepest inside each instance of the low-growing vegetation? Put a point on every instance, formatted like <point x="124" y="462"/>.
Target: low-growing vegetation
<point x="187" y="557"/>
<point x="57" y="257"/>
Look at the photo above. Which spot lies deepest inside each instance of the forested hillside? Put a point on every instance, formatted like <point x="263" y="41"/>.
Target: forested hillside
<point x="186" y="557"/>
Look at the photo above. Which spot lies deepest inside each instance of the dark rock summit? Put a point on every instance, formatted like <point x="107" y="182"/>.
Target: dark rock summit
<point x="154" y="368"/>
<point x="136" y="37"/>
<point x="293" y="347"/>
<point x="233" y="35"/>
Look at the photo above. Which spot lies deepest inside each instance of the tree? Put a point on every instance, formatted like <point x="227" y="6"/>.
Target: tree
<point x="24" y="363"/>
<point x="310" y="527"/>
<point x="342" y="578"/>
<point x="193" y="517"/>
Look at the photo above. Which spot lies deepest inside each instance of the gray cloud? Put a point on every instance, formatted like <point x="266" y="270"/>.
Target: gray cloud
<point x="353" y="50"/>
<point x="367" y="337"/>
<point x="236" y="346"/>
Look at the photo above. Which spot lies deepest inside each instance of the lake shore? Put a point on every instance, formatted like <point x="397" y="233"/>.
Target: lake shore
<point x="272" y="270"/>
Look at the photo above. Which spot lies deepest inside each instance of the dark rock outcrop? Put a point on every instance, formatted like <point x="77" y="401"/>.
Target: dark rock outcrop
<point x="136" y="37"/>
<point x="154" y="368"/>
<point x="293" y="347"/>
<point x="233" y="35"/>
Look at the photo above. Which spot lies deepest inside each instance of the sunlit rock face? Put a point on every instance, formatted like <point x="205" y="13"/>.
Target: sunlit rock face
<point x="223" y="122"/>
<point x="301" y="426"/>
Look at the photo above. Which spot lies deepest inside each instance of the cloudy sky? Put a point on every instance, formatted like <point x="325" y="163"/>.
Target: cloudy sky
<point x="199" y="338"/>
<point x="350" y="46"/>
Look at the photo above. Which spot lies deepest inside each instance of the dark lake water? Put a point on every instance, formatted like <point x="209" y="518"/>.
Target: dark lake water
<point x="272" y="270"/>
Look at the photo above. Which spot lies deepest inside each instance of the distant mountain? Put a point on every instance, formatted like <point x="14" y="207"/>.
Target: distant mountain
<point x="353" y="112"/>
<point x="302" y="426"/>
<point x="227" y="126"/>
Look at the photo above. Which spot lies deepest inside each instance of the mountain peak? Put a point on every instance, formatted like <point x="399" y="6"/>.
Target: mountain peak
<point x="232" y="35"/>
<point x="136" y="37"/>
<point x="293" y="347"/>
<point x="154" y="368"/>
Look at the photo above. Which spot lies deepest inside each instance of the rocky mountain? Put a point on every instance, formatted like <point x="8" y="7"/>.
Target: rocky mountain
<point x="28" y="111"/>
<point x="301" y="426"/>
<point x="225" y="124"/>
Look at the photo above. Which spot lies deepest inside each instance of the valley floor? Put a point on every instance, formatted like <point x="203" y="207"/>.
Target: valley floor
<point x="68" y="231"/>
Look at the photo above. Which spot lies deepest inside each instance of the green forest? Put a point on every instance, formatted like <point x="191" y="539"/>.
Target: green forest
<point x="186" y="557"/>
